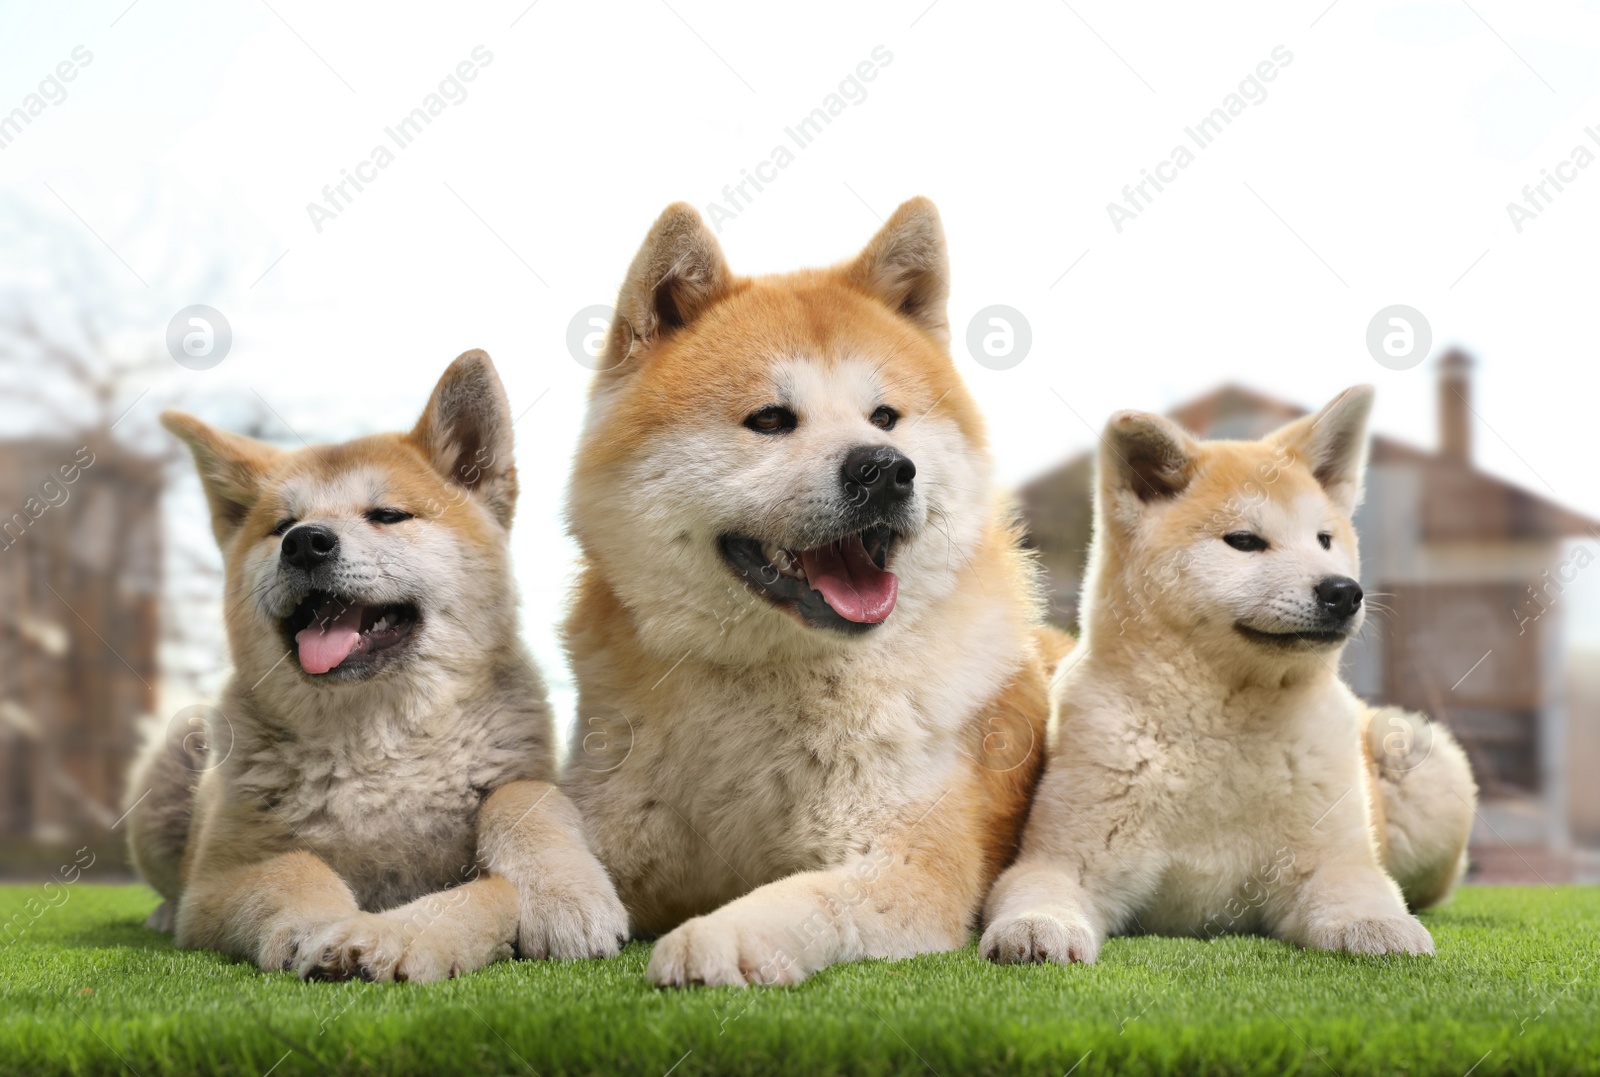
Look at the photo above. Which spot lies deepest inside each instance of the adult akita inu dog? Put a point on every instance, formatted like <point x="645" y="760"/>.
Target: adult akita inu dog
<point x="376" y="797"/>
<point x="811" y="695"/>
<point x="1210" y="772"/>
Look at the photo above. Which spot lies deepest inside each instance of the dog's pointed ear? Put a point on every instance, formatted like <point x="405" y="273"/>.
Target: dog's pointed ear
<point x="907" y="266"/>
<point x="232" y="469"/>
<point x="465" y="432"/>
<point x="1333" y="444"/>
<point x="1144" y="459"/>
<point x="676" y="275"/>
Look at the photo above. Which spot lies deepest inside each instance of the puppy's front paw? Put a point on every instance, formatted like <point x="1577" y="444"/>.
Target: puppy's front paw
<point x="364" y="946"/>
<point x="726" y="948"/>
<point x="579" y="916"/>
<point x="286" y="942"/>
<point x="1373" y="935"/>
<point x="443" y="950"/>
<point x="1039" y="937"/>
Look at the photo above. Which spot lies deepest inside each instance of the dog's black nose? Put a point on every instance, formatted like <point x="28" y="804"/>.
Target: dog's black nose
<point x="877" y="474"/>
<point x="308" y="546"/>
<point x="1340" y="596"/>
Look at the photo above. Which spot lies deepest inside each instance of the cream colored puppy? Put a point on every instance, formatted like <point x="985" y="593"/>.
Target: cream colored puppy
<point x="1210" y="772"/>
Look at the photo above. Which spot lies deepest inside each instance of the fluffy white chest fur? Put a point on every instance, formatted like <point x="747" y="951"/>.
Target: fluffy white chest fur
<point x="707" y="786"/>
<point x="1212" y="798"/>
<point x="389" y="802"/>
<point x="1210" y="772"/>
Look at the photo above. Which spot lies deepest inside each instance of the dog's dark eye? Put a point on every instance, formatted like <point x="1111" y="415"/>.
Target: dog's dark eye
<point x="1326" y="538"/>
<point x="1245" y="541"/>
<point x="387" y="516"/>
<point x="885" y="418"/>
<point x="773" y="420"/>
<point x="283" y="525"/>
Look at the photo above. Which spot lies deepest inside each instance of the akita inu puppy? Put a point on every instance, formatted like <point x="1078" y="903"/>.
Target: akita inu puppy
<point x="1209" y="771"/>
<point x="376" y="797"/>
<point x="812" y="699"/>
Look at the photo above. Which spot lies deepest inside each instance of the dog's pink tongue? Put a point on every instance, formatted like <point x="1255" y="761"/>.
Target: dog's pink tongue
<point x="857" y="589"/>
<point x="330" y="637"/>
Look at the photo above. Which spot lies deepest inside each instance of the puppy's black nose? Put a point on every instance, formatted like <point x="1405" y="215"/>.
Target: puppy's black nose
<point x="877" y="474"/>
<point x="1339" y="596"/>
<point x="308" y="546"/>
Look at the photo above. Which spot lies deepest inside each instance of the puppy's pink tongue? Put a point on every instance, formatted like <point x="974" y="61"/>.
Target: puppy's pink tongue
<point x="856" y="588"/>
<point x="333" y="633"/>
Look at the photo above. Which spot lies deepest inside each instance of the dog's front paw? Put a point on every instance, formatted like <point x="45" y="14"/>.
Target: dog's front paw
<point x="1373" y="935"/>
<point x="1039" y="937"/>
<point x="579" y="916"/>
<point x="364" y="946"/>
<point x="445" y="949"/>
<point x="285" y="942"/>
<point x="726" y="948"/>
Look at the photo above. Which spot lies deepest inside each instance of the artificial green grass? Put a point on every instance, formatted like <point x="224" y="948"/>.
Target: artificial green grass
<point x="1514" y="989"/>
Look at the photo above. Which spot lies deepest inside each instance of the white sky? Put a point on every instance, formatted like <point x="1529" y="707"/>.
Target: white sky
<point x="1376" y="171"/>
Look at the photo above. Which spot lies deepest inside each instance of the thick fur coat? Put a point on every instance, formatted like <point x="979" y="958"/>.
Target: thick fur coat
<point x="777" y="774"/>
<point x="1209" y="771"/>
<point x="372" y="794"/>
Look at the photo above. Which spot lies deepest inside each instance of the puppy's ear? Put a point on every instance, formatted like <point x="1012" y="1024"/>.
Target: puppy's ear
<point x="1144" y="459"/>
<point x="1333" y="444"/>
<point x="465" y="432"/>
<point x="907" y="266"/>
<point x="676" y="275"/>
<point x="232" y="469"/>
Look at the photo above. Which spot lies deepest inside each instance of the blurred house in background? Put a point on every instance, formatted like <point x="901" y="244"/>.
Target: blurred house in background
<point x="1472" y="569"/>
<point x="80" y="595"/>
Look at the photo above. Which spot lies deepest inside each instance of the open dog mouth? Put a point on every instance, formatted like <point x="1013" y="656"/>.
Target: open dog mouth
<point x="1290" y="639"/>
<point x="330" y="632"/>
<point x="844" y="584"/>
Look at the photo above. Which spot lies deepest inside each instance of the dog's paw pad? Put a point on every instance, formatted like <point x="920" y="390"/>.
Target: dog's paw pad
<point x="579" y="921"/>
<point x="283" y="946"/>
<point x="362" y="947"/>
<point x="1037" y="938"/>
<point x="722" y="951"/>
<point x="1375" y="935"/>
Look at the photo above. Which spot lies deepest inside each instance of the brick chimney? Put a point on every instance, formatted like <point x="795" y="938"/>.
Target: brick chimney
<point x="1455" y="416"/>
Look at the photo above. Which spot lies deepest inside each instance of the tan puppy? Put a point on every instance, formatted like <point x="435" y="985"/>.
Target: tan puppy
<point x="384" y="735"/>
<point x="811" y="697"/>
<point x="1210" y="772"/>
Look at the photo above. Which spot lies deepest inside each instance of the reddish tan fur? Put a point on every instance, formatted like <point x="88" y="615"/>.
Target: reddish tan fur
<point x="729" y="707"/>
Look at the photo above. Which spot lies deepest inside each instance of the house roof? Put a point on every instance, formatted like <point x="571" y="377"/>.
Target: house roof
<point x="1460" y="503"/>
